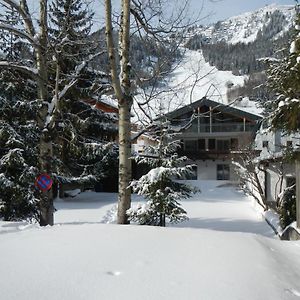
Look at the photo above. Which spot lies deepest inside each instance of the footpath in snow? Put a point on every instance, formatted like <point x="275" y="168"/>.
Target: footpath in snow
<point x="225" y="251"/>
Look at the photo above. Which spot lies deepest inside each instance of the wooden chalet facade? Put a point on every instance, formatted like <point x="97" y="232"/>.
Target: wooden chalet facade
<point x="213" y="134"/>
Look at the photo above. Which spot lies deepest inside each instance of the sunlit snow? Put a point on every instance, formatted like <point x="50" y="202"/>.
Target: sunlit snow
<point x="225" y="251"/>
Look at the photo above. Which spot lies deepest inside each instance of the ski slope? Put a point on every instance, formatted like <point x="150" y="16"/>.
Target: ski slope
<point x="191" y="80"/>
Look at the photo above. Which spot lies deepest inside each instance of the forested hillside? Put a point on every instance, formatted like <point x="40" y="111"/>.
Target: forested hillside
<point x="243" y="44"/>
<point x="150" y="60"/>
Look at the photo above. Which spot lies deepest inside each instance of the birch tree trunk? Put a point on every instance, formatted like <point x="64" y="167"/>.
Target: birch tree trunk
<point x="122" y="89"/>
<point x="39" y="42"/>
<point x="46" y="151"/>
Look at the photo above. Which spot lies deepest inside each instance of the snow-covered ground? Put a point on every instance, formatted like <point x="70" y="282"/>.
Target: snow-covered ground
<point x="225" y="251"/>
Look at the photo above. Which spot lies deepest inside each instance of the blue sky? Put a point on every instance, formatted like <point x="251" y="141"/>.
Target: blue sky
<point x="215" y="9"/>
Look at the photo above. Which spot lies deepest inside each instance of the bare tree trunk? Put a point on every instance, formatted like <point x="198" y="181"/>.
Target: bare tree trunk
<point x="260" y="190"/>
<point x="39" y="43"/>
<point x="124" y="199"/>
<point x="122" y="89"/>
<point x="46" y="151"/>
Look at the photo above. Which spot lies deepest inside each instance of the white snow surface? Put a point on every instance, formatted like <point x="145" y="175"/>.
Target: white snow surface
<point x="225" y="251"/>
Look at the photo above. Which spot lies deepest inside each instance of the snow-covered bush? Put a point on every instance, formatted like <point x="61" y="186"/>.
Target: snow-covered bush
<point x="160" y="187"/>
<point x="17" y="194"/>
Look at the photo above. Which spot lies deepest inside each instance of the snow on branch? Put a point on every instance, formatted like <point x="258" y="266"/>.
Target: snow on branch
<point x="57" y="97"/>
<point x="33" y="72"/>
<point x="22" y="9"/>
<point x="20" y="33"/>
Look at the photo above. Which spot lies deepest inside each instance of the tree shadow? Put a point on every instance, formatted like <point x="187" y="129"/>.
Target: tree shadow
<point x="228" y="225"/>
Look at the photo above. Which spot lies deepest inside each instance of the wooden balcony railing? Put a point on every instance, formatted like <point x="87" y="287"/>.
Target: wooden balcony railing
<point x="221" y="127"/>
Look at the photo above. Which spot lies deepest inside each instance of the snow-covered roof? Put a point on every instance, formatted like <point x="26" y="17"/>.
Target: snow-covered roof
<point x="215" y="105"/>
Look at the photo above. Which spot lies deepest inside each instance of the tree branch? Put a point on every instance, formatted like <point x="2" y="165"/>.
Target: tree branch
<point x="9" y="65"/>
<point x="19" y="33"/>
<point x="23" y="10"/>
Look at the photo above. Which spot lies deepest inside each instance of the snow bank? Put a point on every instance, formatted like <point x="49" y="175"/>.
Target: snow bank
<point x="223" y="252"/>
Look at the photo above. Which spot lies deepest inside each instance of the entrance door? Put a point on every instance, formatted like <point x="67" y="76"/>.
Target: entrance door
<point x="223" y="172"/>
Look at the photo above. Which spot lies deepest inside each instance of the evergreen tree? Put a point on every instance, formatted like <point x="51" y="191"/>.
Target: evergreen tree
<point x="71" y="23"/>
<point x="80" y="132"/>
<point x="159" y="186"/>
<point x="19" y="134"/>
<point x="84" y="131"/>
<point x="284" y="79"/>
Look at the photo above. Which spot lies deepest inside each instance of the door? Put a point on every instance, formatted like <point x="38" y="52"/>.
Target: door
<point x="223" y="172"/>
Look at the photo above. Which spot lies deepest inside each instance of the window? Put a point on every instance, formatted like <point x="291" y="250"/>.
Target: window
<point x="234" y="144"/>
<point x="265" y="144"/>
<point x="192" y="176"/>
<point x="223" y="145"/>
<point x="190" y="145"/>
<point x="223" y="172"/>
<point x="212" y="144"/>
<point x="201" y="144"/>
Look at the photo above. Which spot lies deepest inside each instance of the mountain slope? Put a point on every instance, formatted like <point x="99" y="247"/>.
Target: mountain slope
<point x="246" y="27"/>
<point x="223" y="61"/>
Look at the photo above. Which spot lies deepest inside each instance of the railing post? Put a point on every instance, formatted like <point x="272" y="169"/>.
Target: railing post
<point x="199" y="130"/>
<point x="210" y="120"/>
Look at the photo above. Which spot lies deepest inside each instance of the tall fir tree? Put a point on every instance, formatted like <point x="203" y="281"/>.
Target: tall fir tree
<point x="19" y="133"/>
<point x="85" y="131"/>
<point x="284" y="80"/>
<point x="71" y="23"/>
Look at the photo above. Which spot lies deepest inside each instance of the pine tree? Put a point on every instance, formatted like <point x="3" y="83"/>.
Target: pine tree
<point x="19" y="134"/>
<point x="71" y="24"/>
<point x="159" y="186"/>
<point x="284" y="79"/>
<point x="84" y="131"/>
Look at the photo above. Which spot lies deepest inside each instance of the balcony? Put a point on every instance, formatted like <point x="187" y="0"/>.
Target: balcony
<point x="209" y="154"/>
<point x="220" y="127"/>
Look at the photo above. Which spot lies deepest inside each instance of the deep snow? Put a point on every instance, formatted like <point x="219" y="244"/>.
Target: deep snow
<point x="225" y="251"/>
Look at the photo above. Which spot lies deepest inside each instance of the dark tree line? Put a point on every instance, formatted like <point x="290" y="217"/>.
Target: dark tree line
<point x="244" y="58"/>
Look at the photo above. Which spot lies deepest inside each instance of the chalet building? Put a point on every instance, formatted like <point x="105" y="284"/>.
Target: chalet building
<point x="213" y="134"/>
<point x="278" y="173"/>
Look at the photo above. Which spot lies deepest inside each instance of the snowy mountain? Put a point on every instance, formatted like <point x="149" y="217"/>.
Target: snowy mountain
<point x="239" y="44"/>
<point x="246" y="27"/>
<point x="223" y="61"/>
